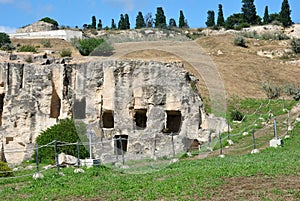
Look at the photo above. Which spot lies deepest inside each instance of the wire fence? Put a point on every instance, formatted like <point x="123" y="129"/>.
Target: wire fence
<point x="144" y="154"/>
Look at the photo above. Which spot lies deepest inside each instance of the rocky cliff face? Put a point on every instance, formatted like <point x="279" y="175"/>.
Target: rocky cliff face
<point x="139" y="101"/>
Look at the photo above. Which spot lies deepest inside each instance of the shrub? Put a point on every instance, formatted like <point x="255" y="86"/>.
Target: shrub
<point x="273" y="36"/>
<point x="86" y="46"/>
<point x="27" y="48"/>
<point x="49" y="20"/>
<point x="64" y="131"/>
<point x="293" y="91"/>
<point x="295" y="43"/>
<point x="66" y="53"/>
<point x="239" y="41"/>
<point x="104" y="49"/>
<point x="46" y="43"/>
<point x="271" y="90"/>
<point x="236" y="115"/>
<point x="5" y="171"/>
<point x="5" y="43"/>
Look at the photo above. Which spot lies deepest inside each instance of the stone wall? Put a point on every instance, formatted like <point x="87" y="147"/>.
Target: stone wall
<point x="136" y="99"/>
<point x="62" y="34"/>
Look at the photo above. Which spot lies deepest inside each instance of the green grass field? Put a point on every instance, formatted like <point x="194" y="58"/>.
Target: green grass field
<point x="272" y="174"/>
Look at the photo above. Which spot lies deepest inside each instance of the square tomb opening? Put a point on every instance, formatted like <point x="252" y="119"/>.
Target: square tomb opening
<point x="108" y="119"/>
<point x="140" y="118"/>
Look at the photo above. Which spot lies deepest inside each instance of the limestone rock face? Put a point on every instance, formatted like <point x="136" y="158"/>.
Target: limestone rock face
<point x="37" y="26"/>
<point x="134" y="106"/>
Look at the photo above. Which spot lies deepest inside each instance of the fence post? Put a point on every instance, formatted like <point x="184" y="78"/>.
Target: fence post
<point x="56" y="155"/>
<point x="90" y="144"/>
<point x="253" y="137"/>
<point x="228" y="131"/>
<point x="122" y="151"/>
<point x="154" y="147"/>
<point x="78" y="154"/>
<point x="287" y="123"/>
<point x="221" y="146"/>
<point x="275" y="129"/>
<point x="209" y="138"/>
<point x="173" y="148"/>
<point x="115" y="148"/>
<point x="37" y="157"/>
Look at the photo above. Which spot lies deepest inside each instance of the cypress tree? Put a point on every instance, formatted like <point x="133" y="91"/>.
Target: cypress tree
<point x="220" y="20"/>
<point x="181" y="20"/>
<point x="285" y="14"/>
<point x="266" y="16"/>
<point x="140" y="22"/>
<point x="160" y="18"/>
<point x="113" y="24"/>
<point x="99" y="26"/>
<point x="249" y="11"/>
<point x="121" y="24"/>
<point x="93" y="25"/>
<point x="210" y="18"/>
<point x="126" y="22"/>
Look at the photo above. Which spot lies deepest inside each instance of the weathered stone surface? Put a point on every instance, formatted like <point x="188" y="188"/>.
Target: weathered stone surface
<point x="65" y="159"/>
<point x="144" y="102"/>
<point x="36" y="27"/>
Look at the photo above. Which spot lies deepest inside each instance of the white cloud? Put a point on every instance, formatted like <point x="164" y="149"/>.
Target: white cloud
<point x="6" y="1"/>
<point x="6" y="29"/>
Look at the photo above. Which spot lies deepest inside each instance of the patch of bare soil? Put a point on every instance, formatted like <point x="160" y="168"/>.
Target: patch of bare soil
<point x="258" y="188"/>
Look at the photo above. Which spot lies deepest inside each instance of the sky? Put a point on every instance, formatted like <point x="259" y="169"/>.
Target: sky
<point x="17" y="13"/>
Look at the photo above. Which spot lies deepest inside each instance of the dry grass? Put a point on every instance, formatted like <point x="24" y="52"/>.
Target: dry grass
<point x="243" y="71"/>
<point x="57" y="45"/>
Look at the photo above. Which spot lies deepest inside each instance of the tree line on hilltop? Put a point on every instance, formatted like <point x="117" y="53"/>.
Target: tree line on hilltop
<point x="248" y="16"/>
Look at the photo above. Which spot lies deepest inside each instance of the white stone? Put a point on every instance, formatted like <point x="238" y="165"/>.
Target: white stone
<point x="222" y="156"/>
<point x="61" y="174"/>
<point x="255" y="151"/>
<point x="78" y="170"/>
<point x="65" y="159"/>
<point x="174" y="160"/>
<point x="38" y="175"/>
<point x="298" y="119"/>
<point x="275" y="142"/>
<point x="245" y="133"/>
<point x="220" y="52"/>
<point x="230" y="142"/>
<point x="47" y="167"/>
<point x="90" y="162"/>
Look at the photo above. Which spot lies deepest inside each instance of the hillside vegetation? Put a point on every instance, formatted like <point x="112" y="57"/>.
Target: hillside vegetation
<point x="272" y="174"/>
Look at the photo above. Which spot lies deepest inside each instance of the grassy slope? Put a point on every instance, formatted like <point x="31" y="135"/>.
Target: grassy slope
<point x="273" y="174"/>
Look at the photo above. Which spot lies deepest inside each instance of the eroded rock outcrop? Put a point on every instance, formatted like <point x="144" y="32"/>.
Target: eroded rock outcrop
<point x="136" y="100"/>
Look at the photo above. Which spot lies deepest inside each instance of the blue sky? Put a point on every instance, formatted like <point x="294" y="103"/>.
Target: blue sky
<point x="18" y="13"/>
